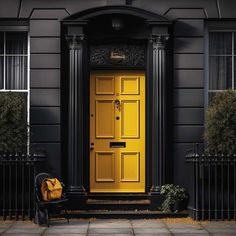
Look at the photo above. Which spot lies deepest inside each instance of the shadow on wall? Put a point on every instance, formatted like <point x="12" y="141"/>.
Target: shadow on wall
<point x="183" y="173"/>
<point x="45" y="137"/>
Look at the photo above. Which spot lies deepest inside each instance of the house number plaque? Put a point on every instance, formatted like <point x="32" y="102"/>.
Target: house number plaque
<point x="117" y="54"/>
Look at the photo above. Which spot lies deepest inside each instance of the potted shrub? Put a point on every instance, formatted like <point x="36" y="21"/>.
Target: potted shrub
<point x="175" y="198"/>
<point x="220" y="124"/>
<point x="13" y="122"/>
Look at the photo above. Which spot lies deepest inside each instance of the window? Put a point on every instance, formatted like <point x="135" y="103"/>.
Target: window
<point x="222" y="46"/>
<point x="14" y="64"/>
<point x="13" y="61"/>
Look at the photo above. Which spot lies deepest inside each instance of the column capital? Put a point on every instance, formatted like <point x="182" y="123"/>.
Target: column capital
<point x="74" y="40"/>
<point x="159" y="41"/>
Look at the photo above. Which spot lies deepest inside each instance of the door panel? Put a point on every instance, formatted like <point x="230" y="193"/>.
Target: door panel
<point x="129" y="85"/>
<point x="117" y="131"/>
<point x="105" y="166"/>
<point x="130" y="166"/>
<point x="105" y="85"/>
<point x="130" y="119"/>
<point x="105" y="119"/>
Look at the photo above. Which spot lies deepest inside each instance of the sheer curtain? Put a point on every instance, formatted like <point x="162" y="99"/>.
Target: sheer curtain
<point x="1" y="72"/>
<point x="220" y="73"/>
<point x="220" y="61"/>
<point x="1" y="59"/>
<point x="16" y="72"/>
<point x="16" y="60"/>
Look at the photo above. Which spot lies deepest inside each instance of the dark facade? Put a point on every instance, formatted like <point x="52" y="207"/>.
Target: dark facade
<point x="61" y="35"/>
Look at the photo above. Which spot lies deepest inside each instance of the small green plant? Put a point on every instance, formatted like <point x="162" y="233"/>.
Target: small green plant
<point x="172" y="194"/>
<point x="220" y="123"/>
<point x="13" y="122"/>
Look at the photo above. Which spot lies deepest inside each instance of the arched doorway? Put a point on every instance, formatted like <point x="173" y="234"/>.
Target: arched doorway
<point x="107" y="41"/>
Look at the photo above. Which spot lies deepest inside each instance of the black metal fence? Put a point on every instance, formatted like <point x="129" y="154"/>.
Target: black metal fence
<point x="17" y="174"/>
<point x="214" y="186"/>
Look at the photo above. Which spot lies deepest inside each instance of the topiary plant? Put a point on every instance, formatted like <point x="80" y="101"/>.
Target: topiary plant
<point x="172" y="194"/>
<point x="13" y="122"/>
<point x="220" y="124"/>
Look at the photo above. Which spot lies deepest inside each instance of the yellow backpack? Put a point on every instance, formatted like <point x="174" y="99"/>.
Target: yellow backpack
<point x="51" y="189"/>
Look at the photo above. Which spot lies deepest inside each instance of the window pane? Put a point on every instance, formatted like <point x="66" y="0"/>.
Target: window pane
<point x="1" y="72"/>
<point x="220" y="43"/>
<point x="234" y="42"/>
<point x="1" y="42"/>
<point x="220" y="73"/>
<point x="235" y="73"/>
<point x="16" y="43"/>
<point x="16" y="72"/>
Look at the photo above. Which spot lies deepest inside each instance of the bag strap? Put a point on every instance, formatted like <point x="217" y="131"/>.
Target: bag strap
<point x="52" y="180"/>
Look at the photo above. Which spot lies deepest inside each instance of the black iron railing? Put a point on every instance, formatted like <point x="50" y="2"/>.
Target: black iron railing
<point x="17" y="174"/>
<point x="214" y="186"/>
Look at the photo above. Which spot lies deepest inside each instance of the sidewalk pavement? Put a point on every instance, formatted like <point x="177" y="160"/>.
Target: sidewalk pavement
<point x="120" y="227"/>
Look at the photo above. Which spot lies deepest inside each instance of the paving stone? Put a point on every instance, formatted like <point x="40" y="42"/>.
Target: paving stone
<point x="220" y="225"/>
<point x="98" y="221"/>
<point x="59" y="225"/>
<point x="4" y="224"/>
<point x="64" y="234"/>
<point x="25" y="230"/>
<point x="183" y="226"/>
<point x="223" y="234"/>
<point x="110" y="231"/>
<point x="112" y="234"/>
<point x="188" y="231"/>
<point x="222" y="230"/>
<point x="2" y="230"/>
<point x="192" y="234"/>
<point x="157" y="234"/>
<point x="75" y="230"/>
<point x="63" y="222"/>
<point x="217" y="223"/>
<point x="26" y="225"/>
<point x="150" y="230"/>
<point x="147" y="223"/>
<point x="24" y="234"/>
<point x="110" y="224"/>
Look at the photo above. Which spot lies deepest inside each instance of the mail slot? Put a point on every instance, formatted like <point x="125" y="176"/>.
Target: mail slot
<point x="117" y="144"/>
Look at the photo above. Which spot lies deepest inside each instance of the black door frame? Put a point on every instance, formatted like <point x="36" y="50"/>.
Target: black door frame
<point x="157" y="79"/>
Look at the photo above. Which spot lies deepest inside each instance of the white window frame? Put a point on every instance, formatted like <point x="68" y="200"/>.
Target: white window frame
<point x="27" y="91"/>
<point x="207" y="70"/>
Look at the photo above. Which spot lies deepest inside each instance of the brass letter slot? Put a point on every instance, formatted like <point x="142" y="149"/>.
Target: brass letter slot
<point x="117" y="144"/>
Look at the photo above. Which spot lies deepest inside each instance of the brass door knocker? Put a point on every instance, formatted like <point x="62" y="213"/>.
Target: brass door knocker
<point x="117" y="103"/>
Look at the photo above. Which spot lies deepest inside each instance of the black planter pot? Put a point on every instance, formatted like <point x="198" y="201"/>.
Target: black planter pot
<point x="179" y="206"/>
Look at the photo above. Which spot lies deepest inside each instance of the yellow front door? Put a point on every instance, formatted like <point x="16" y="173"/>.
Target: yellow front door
<point x="117" y="132"/>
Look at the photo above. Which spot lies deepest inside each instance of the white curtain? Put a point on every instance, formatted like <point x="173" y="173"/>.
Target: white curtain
<point x="220" y="61"/>
<point x="1" y="72"/>
<point x="16" y="60"/>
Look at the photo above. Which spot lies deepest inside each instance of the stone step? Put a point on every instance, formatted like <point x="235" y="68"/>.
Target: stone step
<point x="104" y="204"/>
<point x="118" y="196"/>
